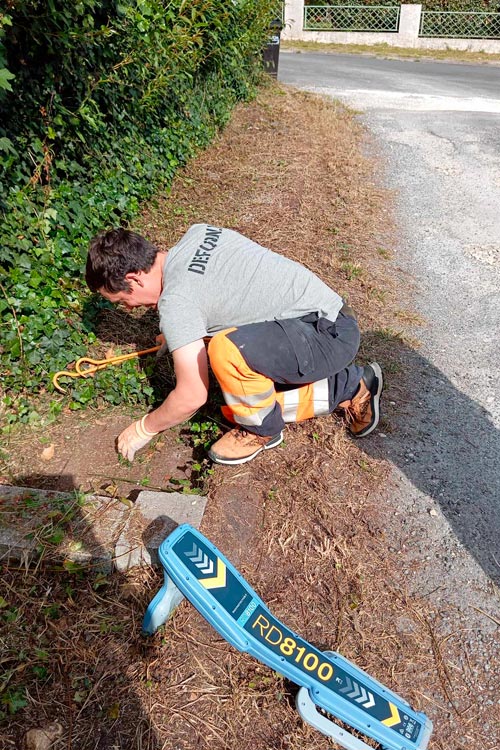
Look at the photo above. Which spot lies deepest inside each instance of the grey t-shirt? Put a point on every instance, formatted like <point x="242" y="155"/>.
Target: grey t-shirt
<point x="216" y="278"/>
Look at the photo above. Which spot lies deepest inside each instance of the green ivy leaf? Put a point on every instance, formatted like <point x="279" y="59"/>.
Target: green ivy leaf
<point x="5" y="78"/>
<point x="14" y="700"/>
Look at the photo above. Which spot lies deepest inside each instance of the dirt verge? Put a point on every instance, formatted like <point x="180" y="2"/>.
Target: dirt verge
<point x="301" y="521"/>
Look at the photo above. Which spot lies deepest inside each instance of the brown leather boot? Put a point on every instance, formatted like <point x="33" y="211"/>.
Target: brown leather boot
<point x="239" y="446"/>
<point x="362" y="412"/>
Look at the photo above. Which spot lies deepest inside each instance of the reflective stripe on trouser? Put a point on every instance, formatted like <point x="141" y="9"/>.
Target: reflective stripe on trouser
<point x="301" y="403"/>
<point x="305" y="402"/>
<point x="251" y="397"/>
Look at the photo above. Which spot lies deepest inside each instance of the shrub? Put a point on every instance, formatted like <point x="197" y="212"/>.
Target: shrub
<point x="100" y="103"/>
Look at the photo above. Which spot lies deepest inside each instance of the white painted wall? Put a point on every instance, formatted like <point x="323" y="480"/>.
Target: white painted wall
<point x="407" y="36"/>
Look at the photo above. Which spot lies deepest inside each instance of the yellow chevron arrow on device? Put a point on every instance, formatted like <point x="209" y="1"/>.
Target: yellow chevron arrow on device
<point x="217" y="581"/>
<point x="394" y="718"/>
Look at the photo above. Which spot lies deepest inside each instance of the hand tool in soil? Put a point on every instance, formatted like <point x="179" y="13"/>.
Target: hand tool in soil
<point x="332" y="689"/>
<point x="87" y="366"/>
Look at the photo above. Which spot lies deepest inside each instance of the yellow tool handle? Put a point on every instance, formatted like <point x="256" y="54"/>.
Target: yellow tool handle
<point x="95" y="365"/>
<point x="99" y="364"/>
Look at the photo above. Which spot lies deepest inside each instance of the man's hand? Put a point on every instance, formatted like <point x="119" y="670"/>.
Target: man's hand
<point x="133" y="439"/>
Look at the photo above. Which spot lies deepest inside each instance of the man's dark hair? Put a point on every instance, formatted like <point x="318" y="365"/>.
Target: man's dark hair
<point x="114" y="254"/>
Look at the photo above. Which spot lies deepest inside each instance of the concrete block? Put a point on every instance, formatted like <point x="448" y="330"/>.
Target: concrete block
<point x="153" y="517"/>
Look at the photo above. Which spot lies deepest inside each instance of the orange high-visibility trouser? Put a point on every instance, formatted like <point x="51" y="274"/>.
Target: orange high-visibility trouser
<point x="250" y="396"/>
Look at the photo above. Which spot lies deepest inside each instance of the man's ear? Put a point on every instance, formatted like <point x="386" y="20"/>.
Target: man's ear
<point x="135" y="277"/>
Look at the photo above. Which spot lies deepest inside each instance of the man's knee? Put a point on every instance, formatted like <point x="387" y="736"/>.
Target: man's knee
<point x="220" y="350"/>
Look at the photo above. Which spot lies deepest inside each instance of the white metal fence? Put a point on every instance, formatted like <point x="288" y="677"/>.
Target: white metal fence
<point x="460" y="24"/>
<point x="351" y="18"/>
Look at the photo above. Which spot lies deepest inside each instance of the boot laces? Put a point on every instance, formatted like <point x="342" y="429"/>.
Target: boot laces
<point x="241" y="434"/>
<point x="356" y="410"/>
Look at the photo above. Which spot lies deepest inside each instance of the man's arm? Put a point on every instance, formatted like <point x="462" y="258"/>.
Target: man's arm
<point x="189" y="394"/>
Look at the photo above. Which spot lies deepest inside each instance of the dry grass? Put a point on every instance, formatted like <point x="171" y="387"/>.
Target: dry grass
<point x="303" y="523"/>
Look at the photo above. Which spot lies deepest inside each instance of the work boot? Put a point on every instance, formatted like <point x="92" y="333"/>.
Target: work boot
<point x="362" y="412"/>
<point x="239" y="446"/>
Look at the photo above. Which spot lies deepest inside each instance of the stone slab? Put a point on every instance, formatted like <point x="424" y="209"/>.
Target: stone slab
<point x="91" y="523"/>
<point x="154" y="516"/>
<point x="100" y="522"/>
<point x="99" y="531"/>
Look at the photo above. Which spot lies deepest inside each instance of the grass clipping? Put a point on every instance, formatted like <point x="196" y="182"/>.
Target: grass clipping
<point x="303" y="522"/>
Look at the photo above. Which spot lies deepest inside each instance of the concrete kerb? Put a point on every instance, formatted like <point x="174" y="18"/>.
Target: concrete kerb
<point x="105" y="534"/>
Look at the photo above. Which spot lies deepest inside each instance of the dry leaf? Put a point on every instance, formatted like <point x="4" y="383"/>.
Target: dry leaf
<point x="43" y="739"/>
<point x="110" y="354"/>
<point x="48" y="453"/>
<point x="114" y="711"/>
<point x="125" y="501"/>
<point x="110" y="489"/>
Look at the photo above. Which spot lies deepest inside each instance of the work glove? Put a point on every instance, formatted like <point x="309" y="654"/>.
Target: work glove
<point x="162" y="342"/>
<point x="133" y="439"/>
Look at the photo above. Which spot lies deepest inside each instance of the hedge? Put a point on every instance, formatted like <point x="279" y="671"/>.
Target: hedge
<point x="100" y="103"/>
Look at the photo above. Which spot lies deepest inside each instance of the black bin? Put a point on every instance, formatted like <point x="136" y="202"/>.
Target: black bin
<point x="271" y="52"/>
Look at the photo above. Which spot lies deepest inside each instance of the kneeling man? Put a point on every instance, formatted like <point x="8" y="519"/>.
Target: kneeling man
<point x="282" y="343"/>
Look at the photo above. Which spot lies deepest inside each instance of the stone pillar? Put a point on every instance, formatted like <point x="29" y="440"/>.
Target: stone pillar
<point x="409" y="25"/>
<point x="294" y="19"/>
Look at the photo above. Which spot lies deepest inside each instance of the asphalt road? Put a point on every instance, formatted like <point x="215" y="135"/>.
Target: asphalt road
<point x="437" y="128"/>
<point x="354" y="73"/>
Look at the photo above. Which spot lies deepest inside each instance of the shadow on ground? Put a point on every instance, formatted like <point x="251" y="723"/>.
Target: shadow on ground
<point x="72" y="637"/>
<point x="444" y="443"/>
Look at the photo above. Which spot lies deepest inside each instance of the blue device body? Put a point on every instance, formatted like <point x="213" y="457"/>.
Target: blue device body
<point x="195" y="568"/>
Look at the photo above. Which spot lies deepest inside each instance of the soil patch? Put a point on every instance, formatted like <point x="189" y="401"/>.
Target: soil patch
<point x="300" y="522"/>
